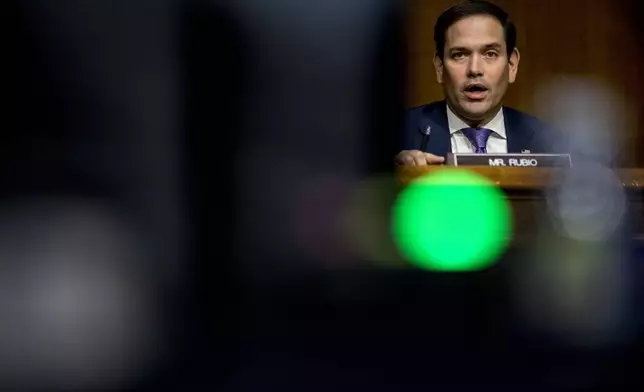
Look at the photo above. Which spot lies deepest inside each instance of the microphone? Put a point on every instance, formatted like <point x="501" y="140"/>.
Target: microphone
<point x="426" y="134"/>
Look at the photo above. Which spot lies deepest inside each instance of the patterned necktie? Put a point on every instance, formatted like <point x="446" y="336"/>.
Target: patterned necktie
<point x="478" y="137"/>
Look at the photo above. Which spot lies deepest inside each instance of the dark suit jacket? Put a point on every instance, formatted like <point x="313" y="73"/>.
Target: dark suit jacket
<point x="523" y="131"/>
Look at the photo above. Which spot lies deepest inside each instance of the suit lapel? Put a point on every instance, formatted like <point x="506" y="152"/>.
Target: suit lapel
<point x="435" y="117"/>
<point x="519" y="136"/>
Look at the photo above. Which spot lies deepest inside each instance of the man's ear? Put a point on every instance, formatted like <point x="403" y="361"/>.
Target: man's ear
<point x="438" y="66"/>
<point x="514" y="64"/>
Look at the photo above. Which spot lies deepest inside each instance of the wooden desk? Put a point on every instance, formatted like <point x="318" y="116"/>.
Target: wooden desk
<point x="520" y="178"/>
<point x="525" y="187"/>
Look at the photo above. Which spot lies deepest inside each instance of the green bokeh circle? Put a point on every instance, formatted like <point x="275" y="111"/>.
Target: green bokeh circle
<point x="452" y="220"/>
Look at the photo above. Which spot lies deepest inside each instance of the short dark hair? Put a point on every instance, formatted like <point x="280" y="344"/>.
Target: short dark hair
<point x="470" y="8"/>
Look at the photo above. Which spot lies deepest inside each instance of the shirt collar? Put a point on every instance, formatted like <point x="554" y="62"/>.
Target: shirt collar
<point x="496" y="125"/>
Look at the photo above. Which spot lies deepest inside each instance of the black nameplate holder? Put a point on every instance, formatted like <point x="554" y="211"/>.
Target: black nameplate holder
<point x="509" y="160"/>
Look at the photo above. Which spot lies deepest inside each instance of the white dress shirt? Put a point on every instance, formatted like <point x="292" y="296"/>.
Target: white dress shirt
<point x="497" y="143"/>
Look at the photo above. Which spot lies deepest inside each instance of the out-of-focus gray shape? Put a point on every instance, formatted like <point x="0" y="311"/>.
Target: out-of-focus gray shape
<point x="589" y="113"/>
<point x="308" y="115"/>
<point x="587" y="203"/>
<point x="574" y="284"/>
<point x="76" y="310"/>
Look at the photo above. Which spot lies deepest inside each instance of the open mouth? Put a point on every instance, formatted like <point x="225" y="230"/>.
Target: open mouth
<point x="475" y="91"/>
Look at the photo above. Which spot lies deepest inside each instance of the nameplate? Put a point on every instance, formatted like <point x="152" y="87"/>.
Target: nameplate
<point x="510" y="160"/>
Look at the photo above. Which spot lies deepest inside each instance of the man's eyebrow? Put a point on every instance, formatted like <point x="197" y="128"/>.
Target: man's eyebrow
<point x="494" y="45"/>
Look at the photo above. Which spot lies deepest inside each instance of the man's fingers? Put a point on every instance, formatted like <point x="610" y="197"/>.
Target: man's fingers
<point x="408" y="157"/>
<point x="418" y="158"/>
<point x="403" y="158"/>
<point x="433" y="159"/>
<point x="408" y="160"/>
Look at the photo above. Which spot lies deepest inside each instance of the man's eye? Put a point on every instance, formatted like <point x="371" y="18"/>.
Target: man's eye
<point x="491" y="54"/>
<point x="458" y="55"/>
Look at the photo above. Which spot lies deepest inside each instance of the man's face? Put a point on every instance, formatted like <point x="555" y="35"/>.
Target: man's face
<point x="475" y="70"/>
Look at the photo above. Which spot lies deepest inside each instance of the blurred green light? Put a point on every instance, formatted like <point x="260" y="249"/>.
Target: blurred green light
<point x="451" y="220"/>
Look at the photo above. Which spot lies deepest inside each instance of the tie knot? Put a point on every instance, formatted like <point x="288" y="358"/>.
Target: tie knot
<point x="478" y="137"/>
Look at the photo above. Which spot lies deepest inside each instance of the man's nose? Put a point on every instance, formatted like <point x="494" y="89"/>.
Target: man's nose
<point x="474" y="66"/>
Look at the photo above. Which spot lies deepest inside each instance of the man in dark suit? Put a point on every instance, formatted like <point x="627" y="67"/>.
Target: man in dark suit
<point x="476" y="59"/>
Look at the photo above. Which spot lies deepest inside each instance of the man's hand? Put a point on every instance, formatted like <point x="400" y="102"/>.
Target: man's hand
<point x="418" y="158"/>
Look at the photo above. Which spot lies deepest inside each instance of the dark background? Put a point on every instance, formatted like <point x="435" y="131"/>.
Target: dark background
<point x="211" y="125"/>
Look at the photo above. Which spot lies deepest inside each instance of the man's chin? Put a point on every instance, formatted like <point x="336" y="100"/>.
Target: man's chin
<point x="476" y="113"/>
<point x="474" y="110"/>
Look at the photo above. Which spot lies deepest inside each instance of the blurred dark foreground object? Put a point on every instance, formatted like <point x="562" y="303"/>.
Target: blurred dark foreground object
<point x="142" y="107"/>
